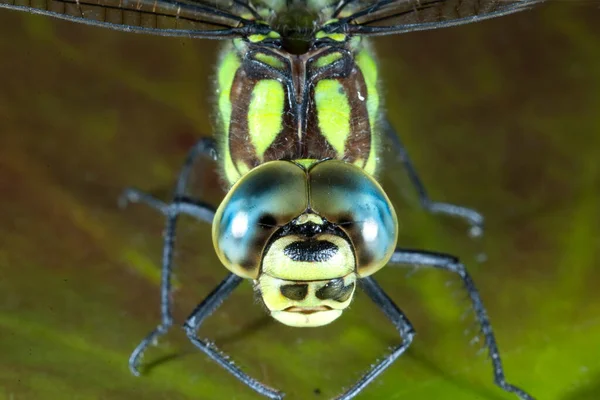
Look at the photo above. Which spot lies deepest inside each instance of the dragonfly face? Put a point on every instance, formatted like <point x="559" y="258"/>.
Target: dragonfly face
<point x="304" y="232"/>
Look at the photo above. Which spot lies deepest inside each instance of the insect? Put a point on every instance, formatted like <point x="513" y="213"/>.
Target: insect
<point x="299" y="145"/>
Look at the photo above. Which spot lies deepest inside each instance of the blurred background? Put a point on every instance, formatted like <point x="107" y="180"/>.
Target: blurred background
<point x="503" y="116"/>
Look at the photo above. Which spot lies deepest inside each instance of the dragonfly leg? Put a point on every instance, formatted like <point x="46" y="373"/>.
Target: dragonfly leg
<point x="402" y="324"/>
<point x="472" y="217"/>
<point x="205" y="309"/>
<point x="450" y="263"/>
<point x="181" y="204"/>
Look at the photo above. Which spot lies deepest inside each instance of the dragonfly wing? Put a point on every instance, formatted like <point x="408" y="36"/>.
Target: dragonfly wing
<point x="192" y="18"/>
<point x="385" y="17"/>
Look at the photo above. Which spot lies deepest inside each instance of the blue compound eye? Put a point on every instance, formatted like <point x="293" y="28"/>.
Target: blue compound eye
<point x="267" y="197"/>
<point x="346" y="195"/>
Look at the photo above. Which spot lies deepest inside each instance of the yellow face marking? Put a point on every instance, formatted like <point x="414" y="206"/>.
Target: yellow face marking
<point x="265" y="114"/>
<point x="269" y="60"/>
<point x="333" y="113"/>
<point x="227" y="70"/>
<point x="309" y="217"/>
<point x="328" y="59"/>
<point x="368" y="67"/>
<point x="299" y="320"/>
<point x="276" y="263"/>
<point x="309" y="311"/>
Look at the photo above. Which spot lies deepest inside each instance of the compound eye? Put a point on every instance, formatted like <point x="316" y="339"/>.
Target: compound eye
<point x="267" y="197"/>
<point x="346" y="195"/>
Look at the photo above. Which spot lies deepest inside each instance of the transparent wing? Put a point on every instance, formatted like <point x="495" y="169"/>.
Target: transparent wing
<point x="385" y="17"/>
<point x="216" y="19"/>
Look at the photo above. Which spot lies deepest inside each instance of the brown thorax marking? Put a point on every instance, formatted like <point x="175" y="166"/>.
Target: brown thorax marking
<point x="300" y="136"/>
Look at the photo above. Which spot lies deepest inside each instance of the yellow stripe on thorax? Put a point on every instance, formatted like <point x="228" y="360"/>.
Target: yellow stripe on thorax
<point x="333" y="113"/>
<point x="368" y="67"/>
<point x="227" y="70"/>
<point x="265" y="114"/>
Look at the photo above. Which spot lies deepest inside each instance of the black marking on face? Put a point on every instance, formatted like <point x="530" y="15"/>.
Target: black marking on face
<point x="294" y="292"/>
<point x="309" y="229"/>
<point x="335" y="290"/>
<point x="310" y="250"/>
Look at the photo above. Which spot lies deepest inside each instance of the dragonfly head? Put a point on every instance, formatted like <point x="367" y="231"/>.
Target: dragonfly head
<point x="305" y="232"/>
<point x="308" y="272"/>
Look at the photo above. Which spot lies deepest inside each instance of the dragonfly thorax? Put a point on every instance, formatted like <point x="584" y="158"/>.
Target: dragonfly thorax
<point x="273" y="104"/>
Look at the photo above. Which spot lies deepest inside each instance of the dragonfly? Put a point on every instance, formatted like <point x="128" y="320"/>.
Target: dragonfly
<point x="299" y="147"/>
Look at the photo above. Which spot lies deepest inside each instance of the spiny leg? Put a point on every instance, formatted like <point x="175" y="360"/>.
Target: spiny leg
<point x="452" y="264"/>
<point x="180" y="205"/>
<point x="402" y="324"/>
<point x="204" y="310"/>
<point x="473" y="218"/>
